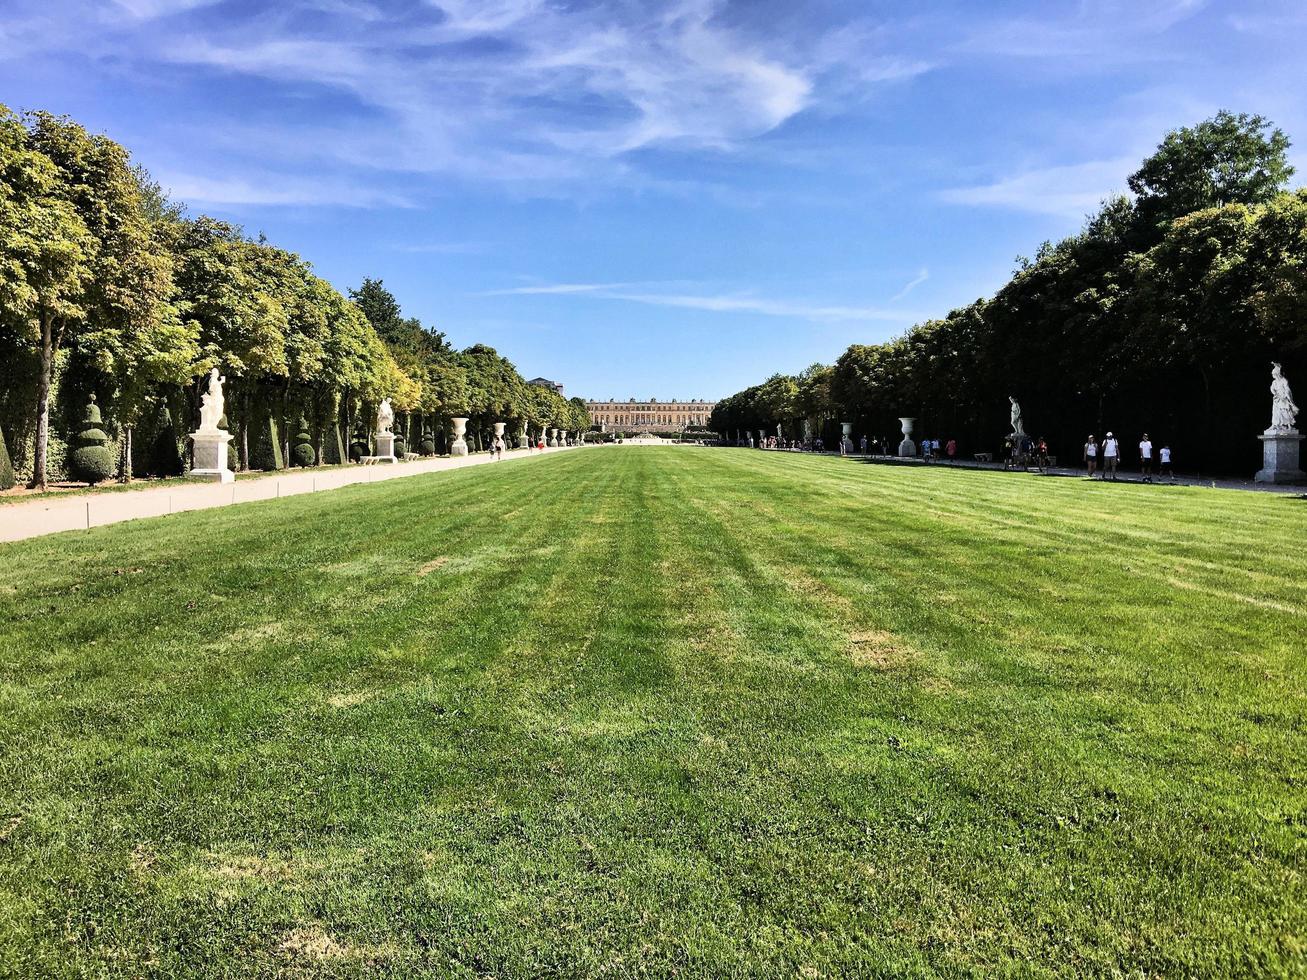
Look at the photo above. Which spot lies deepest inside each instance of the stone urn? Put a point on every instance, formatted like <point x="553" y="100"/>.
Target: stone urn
<point x="499" y="429"/>
<point x="552" y="441"/>
<point x="847" y="428"/>
<point x="459" y="446"/>
<point x="907" y="447"/>
<point x="522" y="440"/>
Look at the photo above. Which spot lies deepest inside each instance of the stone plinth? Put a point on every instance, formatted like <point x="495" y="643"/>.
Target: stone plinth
<point x="385" y="447"/>
<point x="1280" y="457"/>
<point x="459" y="446"/>
<point x="210" y="453"/>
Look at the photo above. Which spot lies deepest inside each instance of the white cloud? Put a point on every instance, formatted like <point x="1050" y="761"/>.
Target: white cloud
<point x="194" y="189"/>
<point x="1065" y="191"/>
<point x="715" y="303"/>
<point x="912" y="284"/>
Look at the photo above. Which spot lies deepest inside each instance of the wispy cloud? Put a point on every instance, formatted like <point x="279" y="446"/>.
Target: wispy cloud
<point x="271" y="190"/>
<point x="715" y="302"/>
<point x="1064" y="191"/>
<point x="910" y="285"/>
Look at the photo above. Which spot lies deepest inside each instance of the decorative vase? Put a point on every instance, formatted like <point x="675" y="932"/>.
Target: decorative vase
<point x="459" y="446"/>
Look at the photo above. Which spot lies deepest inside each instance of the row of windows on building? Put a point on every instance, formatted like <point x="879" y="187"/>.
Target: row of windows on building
<point x="644" y="418"/>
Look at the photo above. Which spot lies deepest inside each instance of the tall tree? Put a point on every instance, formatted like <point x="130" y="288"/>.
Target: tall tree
<point x="1228" y="159"/>
<point x="47" y="257"/>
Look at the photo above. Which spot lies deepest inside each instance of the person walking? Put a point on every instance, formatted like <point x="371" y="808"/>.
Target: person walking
<point x="951" y="447"/>
<point x="1146" y="459"/>
<point x="1111" y="454"/>
<point x="863" y="445"/>
<point x="1091" y="455"/>
<point x="497" y="447"/>
<point x="1164" y="469"/>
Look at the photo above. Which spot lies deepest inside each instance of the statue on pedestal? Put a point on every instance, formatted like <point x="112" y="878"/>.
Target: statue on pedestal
<point x="1282" y="442"/>
<point x="209" y="442"/>
<point x="1284" y="413"/>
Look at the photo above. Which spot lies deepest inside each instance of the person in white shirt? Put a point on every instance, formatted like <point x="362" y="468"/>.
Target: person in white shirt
<point x="1111" y="452"/>
<point x="1091" y="455"/>
<point x="1164" y="468"/>
<point x="1146" y="458"/>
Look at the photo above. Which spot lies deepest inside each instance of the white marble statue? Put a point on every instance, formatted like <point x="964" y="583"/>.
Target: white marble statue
<point x="1018" y="423"/>
<point x="385" y="417"/>
<point x="211" y="403"/>
<point x="1284" y="413"/>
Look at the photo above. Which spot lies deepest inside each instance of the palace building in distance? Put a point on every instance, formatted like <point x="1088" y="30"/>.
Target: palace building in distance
<point x="650" y="415"/>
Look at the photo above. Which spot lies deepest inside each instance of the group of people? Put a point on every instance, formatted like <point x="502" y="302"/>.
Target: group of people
<point x="1109" y="453"/>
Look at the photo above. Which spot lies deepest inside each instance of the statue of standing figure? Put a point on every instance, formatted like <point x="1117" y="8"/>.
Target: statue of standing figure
<point x="1284" y="413"/>
<point x="385" y="417"/>
<point x="211" y="403"/>
<point x="1018" y="423"/>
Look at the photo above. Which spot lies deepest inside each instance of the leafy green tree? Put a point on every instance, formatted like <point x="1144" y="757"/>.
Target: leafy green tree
<point x="1228" y="159"/>
<point x="47" y="253"/>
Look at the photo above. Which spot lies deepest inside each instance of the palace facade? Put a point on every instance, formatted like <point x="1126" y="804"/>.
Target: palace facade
<point x="649" y="415"/>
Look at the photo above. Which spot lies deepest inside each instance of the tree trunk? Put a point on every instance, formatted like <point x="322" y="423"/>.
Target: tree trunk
<point x="127" y="454"/>
<point x="43" y="404"/>
<point x="245" y="426"/>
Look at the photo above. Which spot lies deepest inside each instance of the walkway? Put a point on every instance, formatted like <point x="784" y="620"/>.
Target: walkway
<point x="81" y="511"/>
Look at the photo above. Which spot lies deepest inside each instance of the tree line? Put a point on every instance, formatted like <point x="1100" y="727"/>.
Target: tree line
<point x="110" y="291"/>
<point x="1162" y="314"/>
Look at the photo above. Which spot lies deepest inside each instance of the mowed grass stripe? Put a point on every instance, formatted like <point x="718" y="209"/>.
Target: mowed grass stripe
<point x="661" y="711"/>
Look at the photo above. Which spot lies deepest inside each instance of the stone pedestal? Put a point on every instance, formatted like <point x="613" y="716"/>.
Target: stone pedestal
<point x="210" y="451"/>
<point x="1280" y="457"/>
<point x="459" y="446"/>
<point x="522" y="442"/>
<point x="907" y="447"/>
<point x="385" y="447"/>
<point x="552" y="442"/>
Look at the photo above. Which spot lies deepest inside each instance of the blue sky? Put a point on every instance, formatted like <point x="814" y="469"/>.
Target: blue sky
<point x="655" y="199"/>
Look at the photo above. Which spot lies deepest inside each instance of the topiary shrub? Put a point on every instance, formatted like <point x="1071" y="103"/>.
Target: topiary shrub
<point x="164" y="458"/>
<point x="302" y="453"/>
<point x="7" y="479"/>
<point x="266" y="454"/>
<point x="89" y="459"/>
<point x="401" y="447"/>
<point x="359" y="447"/>
<point x="427" y="447"/>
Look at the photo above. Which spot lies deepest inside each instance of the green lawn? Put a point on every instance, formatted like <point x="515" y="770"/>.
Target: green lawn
<point x="662" y="711"/>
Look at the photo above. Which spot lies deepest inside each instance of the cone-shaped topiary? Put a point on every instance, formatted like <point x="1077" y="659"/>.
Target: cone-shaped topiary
<point x="6" y="465"/>
<point x="401" y="447"/>
<point x="165" y="459"/>
<point x="302" y="453"/>
<point x="89" y="459"/>
<point x="427" y="447"/>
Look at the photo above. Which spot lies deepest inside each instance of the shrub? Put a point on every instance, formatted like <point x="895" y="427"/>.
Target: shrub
<point x="89" y="459"/>
<point x="164" y="459"/>
<point x="427" y="447"/>
<point x="6" y="466"/>
<point x="359" y="447"/>
<point x="302" y="453"/>
<point x="401" y="447"/>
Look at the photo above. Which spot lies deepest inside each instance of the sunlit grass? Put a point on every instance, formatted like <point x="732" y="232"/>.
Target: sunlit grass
<point x="668" y="710"/>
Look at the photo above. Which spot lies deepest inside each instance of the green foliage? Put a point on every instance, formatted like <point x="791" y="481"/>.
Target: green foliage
<point x="266" y="454"/>
<point x="164" y="457"/>
<point x="427" y="447"/>
<point x="302" y="452"/>
<point x="89" y="459"/>
<point x="1160" y="317"/>
<point x="401" y="445"/>
<point x="1228" y="159"/>
<point x="6" y="466"/>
